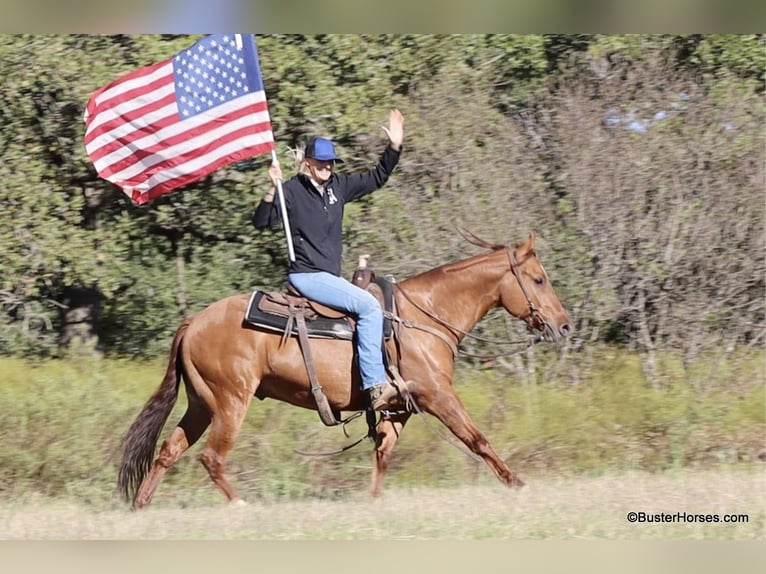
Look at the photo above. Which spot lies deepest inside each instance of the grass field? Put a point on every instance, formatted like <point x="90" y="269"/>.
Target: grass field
<point x="590" y="452"/>
<point x="550" y="507"/>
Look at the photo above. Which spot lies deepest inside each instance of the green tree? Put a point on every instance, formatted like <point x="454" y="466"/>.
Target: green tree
<point x="505" y="133"/>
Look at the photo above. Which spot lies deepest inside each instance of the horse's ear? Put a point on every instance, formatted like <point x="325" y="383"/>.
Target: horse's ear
<point x="527" y="247"/>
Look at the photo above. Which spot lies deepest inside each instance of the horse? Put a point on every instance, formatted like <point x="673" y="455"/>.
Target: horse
<point x="224" y="363"/>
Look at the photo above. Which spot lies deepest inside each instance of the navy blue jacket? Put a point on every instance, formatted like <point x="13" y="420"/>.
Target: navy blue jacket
<point x="316" y="220"/>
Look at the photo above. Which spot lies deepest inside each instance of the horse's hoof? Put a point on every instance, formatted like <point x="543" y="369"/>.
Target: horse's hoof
<point x="516" y="483"/>
<point x="238" y="503"/>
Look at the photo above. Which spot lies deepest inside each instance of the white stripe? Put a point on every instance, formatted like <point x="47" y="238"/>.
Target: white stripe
<point x="200" y="162"/>
<point x="116" y="112"/>
<point x="121" y="87"/>
<point x="122" y="131"/>
<point x="174" y="129"/>
<point x="183" y="148"/>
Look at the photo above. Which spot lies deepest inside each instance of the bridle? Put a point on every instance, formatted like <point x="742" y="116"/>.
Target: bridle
<point x="534" y="314"/>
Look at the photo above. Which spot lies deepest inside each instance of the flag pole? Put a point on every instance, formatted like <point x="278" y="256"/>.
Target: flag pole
<point x="283" y="211"/>
<point x="282" y="207"/>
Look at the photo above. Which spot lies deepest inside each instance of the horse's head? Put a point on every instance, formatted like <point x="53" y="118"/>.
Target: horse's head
<point x="527" y="293"/>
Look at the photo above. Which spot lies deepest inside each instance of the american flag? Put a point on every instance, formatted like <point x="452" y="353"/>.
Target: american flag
<point x="169" y="124"/>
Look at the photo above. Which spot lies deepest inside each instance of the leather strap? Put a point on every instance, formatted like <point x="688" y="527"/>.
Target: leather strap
<point x="323" y="406"/>
<point x="427" y="328"/>
<point x="533" y="312"/>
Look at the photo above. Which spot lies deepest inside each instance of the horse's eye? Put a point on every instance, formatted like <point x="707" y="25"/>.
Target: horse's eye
<point x="539" y="280"/>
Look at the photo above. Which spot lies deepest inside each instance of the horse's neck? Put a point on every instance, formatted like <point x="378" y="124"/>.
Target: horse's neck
<point x="461" y="293"/>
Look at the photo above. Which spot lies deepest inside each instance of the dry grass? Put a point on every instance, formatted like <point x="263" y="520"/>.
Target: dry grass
<point x="551" y="508"/>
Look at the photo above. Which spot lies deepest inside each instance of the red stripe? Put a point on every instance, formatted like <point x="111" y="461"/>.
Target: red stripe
<point x="174" y="161"/>
<point x="133" y="116"/>
<point x="129" y="138"/>
<point x="94" y="107"/>
<point x="193" y="131"/>
<point x="170" y="185"/>
<point x="120" y="95"/>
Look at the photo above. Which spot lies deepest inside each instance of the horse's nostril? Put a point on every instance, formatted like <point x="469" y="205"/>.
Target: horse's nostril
<point x="565" y="329"/>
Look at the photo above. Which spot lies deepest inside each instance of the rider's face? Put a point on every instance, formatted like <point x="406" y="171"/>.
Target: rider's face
<point x="320" y="170"/>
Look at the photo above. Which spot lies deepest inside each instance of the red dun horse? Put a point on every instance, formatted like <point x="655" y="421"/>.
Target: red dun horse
<point x="224" y="364"/>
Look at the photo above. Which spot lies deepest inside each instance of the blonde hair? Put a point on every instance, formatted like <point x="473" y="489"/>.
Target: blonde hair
<point x="301" y="162"/>
<point x="301" y="165"/>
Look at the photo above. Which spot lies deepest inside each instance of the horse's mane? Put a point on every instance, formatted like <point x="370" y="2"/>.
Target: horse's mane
<point x="473" y="239"/>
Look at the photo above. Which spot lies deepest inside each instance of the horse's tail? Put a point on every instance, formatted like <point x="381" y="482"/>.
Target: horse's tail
<point x="139" y="442"/>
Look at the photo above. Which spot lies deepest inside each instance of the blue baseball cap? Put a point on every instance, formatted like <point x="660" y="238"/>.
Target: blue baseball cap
<point x="321" y="149"/>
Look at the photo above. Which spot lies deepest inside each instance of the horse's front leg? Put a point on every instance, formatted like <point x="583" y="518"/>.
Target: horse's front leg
<point x="445" y="405"/>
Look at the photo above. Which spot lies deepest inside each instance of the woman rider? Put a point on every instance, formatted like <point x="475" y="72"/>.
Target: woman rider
<point x="314" y="199"/>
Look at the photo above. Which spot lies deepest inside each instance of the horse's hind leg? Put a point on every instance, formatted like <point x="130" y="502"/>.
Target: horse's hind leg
<point x="189" y="430"/>
<point x="389" y="429"/>
<point x="225" y="428"/>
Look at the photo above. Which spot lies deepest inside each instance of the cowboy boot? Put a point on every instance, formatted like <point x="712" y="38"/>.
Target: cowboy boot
<point x="382" y="395"/>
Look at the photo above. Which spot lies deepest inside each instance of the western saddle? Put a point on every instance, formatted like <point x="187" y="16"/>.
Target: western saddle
<point x="290" y="313"/>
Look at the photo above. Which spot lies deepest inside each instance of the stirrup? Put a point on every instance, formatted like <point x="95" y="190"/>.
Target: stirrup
<point x="382" y="395"/>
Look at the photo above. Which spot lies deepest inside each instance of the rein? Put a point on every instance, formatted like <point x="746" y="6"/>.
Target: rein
<point x="343" y="448"/>
<point x="456" y="330"/>
<point x="415" y="325"/>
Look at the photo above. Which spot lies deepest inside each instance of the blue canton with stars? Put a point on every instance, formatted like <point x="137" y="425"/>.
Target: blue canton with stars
<point x="214" y="71"/>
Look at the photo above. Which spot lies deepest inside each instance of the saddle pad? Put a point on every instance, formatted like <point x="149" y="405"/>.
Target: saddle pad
<point x="321" y="327"/>
<point x="318" y="327"/>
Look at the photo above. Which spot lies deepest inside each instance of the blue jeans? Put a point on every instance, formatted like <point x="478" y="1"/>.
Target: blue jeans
<point x="336" y="292"/>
